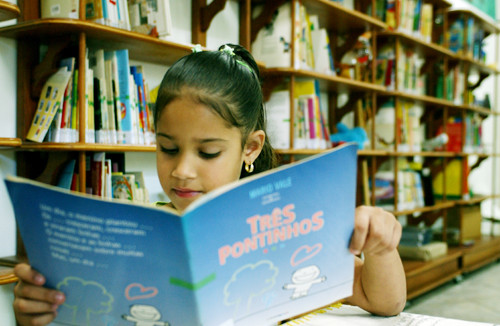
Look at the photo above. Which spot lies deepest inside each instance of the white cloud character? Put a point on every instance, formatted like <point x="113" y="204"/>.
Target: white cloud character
<point x="144" y="315"/>
<point x="303" y="279"/>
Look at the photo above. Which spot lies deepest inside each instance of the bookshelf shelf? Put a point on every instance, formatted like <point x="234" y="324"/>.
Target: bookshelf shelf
<point x="8" y="11"/>
<point x="439" y="206"/>
<point x="474" y="200"/>
<point x="345" y="21"/>
<point x="474" y="108"/>
<point x="425" y="49"/>
<point x="423" y="99"/>
<point x="10" y="142"/>
<point x="88" y="147"/>
<point x="482" y="67"/>
<point x="424" y="154"/>
<point x="327" y="82"/>
<point x="141" y="47"/>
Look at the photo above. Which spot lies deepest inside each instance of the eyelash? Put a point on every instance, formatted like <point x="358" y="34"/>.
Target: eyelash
<point x="204" y="155"/>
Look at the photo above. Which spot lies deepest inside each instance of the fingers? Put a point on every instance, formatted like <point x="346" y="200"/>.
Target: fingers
<point x="38" y="293"/>
<point x="35" y="320"/>
<point x="376" y="231"/>
<point x="361" y="228"/>
<point x="34" y="304"/>
<point x="28" y="275"/>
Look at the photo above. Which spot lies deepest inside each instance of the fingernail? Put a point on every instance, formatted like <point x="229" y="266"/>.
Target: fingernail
<point x="54" y="307"/>
<point x="59" y="297"/>
<point x="354" y="252"/>
<point x="39" y="278"/>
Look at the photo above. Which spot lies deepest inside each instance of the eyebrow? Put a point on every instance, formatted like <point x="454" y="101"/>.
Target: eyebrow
<point x="200" y="140"/>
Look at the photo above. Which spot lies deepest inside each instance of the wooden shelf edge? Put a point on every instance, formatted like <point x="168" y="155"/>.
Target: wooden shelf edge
<point x="88" y="147"/>
<point x="334" y="79"/>
<point x="419" y="42"/>
<point x="413" y="268"/>
<point x="352" y="14"/>
<point x="431" y="286"/>
<point x="8" y="11"/>
<point x="444" y="205"/>
<point x="10" y="142"/>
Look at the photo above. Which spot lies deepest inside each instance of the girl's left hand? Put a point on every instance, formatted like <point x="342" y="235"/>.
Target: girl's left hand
<point x="376" y="231"/>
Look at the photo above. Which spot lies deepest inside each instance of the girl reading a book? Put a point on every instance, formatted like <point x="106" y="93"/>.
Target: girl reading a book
<point x="210" y="128"/>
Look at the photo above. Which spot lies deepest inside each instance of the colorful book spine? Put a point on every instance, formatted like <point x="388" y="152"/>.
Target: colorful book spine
<point x="128" y="134"/>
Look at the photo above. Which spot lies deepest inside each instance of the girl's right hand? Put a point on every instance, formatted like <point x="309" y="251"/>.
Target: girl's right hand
<point x="34" y="304"/>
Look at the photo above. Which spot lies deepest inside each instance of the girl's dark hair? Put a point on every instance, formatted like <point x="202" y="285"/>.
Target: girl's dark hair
<point x="226" y="82"/>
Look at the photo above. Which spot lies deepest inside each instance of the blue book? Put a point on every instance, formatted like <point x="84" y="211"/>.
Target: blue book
<point x="263" y="249"/>
<point x="128" y="118"/>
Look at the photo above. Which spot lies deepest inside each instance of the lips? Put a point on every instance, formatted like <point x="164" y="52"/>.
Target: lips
<point x="186" y="193"/>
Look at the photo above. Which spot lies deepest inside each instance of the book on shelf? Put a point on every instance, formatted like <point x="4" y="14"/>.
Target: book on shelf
<point x="150" y="17"/>
<point x="89" y="103"/>
<point x="272" y="44"/>
<point x="49" y="103"/>
<point x="304" y="56"/>
<point x="59" y="9"/>
<point x="416" y="236"/>
<point x="456" y="35"/>
<point x="94" y="11"/>
<point x="425" y="252"/>
<point x="408" y="115"/>
<point x="280" y="252"/>
<point x="314" y="131"/>
<point x="323" y="58"/>
<point x="455" y="185"/>
<point x="385" y="66"/>
<point x="66" y="176"/>
<point x="119" y="102"/>
<point x="278" y="119"/>
<point x="60" y="129"/>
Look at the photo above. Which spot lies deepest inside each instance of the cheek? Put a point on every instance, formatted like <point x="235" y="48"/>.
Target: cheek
<point x="162" y="170"/>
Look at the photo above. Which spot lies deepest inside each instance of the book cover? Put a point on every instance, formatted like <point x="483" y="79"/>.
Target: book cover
<point x="48" y="104"/>
<point x="281" y="251"/>
<point x="59" y="9"/>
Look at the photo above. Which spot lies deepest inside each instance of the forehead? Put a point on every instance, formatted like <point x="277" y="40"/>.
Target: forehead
<point x="187" y="116"/>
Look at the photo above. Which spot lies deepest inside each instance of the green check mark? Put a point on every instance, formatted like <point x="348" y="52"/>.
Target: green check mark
<point x="192" y="286"/>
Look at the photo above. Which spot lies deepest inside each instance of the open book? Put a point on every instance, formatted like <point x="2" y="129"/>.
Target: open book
<point x="255" y="252"/>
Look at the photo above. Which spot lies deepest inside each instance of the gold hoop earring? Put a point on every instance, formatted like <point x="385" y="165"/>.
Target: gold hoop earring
<point x="249" y="167"/>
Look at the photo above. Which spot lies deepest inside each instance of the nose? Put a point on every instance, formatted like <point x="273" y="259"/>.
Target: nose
<point x="185" y="167"/>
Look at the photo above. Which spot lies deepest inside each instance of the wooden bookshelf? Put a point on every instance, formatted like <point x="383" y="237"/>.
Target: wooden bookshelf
<point x="8" y="11"/>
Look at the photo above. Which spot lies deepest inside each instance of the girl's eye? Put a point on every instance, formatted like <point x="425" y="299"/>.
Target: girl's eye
<point x="209" y="155"/>
<point x="169" y="151"/>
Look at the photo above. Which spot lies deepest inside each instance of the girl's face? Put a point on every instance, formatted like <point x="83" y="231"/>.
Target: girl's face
<point x="197" y="151"/>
